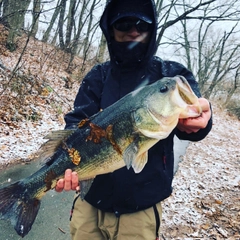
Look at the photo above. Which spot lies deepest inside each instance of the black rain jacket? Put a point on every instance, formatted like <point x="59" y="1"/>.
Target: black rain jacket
<point x="123" y="191"/>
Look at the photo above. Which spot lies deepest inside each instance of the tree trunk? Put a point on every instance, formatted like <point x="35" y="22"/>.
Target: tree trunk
<point x="60" y="24"/>
<point x="54" y="17"/>
<point x="86" y="40"/>
<point x="35" y="16"/>
<point x="14" y="13"/>
<point x="102" y="49"/>
<point x="70" y="22"/>
<point x="79" y="27"/>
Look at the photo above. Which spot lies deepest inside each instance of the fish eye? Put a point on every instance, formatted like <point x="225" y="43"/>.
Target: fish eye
<point x="164" y="89"/>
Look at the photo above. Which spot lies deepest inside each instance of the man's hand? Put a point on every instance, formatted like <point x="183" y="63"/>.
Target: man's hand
<point x="193" y="125"/>
<point x="69" y="182"/>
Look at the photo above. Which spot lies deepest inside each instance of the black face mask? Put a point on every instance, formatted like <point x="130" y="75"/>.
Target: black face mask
<point x="129" y="53"/>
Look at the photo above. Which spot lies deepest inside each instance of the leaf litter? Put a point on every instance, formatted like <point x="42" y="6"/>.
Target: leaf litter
<point x="205" y="203"/>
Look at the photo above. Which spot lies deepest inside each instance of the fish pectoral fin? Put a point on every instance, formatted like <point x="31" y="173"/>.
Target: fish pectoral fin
<point x="130" y="153"/>
<point x="139" y="162"/>
<point x="84" y="187"/>
<point x="133" y="159"/>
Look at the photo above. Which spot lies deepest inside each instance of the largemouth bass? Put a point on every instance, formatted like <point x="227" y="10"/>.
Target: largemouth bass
<point x="116" y="137"/>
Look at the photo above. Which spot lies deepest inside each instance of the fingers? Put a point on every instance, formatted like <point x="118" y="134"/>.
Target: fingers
<point x="69" y="182"/>
<point x="75" y="181"/>
<point x="204" y="104"/>
<point x="193" y="125"/>
<point x="60" y="185"/>
<point x="190" y="125"/>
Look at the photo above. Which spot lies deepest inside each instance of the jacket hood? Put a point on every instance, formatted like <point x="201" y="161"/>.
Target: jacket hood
<point x="116" y="9"/>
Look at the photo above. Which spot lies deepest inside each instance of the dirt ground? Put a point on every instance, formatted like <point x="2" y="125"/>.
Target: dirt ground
<point x="205" y="203"/>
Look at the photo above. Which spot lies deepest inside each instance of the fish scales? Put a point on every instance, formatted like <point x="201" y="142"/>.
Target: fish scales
<point x="117" y="136"/>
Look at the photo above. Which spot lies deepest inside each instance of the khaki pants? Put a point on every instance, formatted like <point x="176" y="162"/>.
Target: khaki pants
<point x="88" y="223"/>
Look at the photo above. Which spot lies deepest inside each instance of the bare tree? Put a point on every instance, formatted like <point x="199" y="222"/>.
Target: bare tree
<point x="77" y="26"/>
<point x="78" y="36"/>
<point x="102" y="49"/>
<point x="35" y="15"/>
<point x="51" y="23"/>
<point x="166" y="11"/>
<point x="70" y="21"/>
<point x="61" y="23"/>
<point x="224" y="64"/>
<point x="233" y="87"/>
<point x="13" y="14"/>
<point x="200" y="42"/>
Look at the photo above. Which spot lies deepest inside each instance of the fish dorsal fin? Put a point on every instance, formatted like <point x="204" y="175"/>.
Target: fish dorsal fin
<point x="59" y="134"/>
<point x="139" y="162"/>
<point x="55" y="139"/>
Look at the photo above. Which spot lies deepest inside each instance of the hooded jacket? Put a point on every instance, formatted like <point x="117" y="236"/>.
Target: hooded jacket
<point x="123" y="191"/>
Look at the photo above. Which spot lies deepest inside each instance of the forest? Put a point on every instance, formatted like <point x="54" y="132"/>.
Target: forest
<point x="203" y="35"/>
<point x="47" y="47"/>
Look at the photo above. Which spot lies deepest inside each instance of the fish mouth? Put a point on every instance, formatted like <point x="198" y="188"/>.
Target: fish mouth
<point x="187" y="99"/>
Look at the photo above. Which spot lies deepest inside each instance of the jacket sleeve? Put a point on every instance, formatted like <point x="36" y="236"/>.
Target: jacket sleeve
<point x="87" y="101"/>
<point x="202" y="133"/>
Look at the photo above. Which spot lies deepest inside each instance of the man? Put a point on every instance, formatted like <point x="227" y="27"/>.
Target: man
<point x="123" y="205"/>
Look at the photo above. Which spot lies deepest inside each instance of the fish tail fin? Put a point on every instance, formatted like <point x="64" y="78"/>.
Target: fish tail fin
<point x="18" y="207"/>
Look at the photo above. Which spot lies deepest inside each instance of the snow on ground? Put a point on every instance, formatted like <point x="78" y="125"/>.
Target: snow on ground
<point x="22" y="142"/>
<point x="205" y="203"/>
<point x="37" y="104"/>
